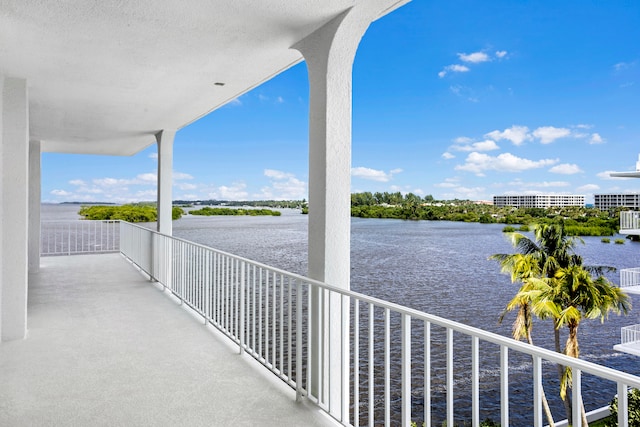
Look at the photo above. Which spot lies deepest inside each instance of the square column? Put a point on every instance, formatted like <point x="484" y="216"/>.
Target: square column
<point x="165" y="180"/>
<point x="14" y="207"/>
<point x="329" y="54"/>
<point x="34" y="205"/>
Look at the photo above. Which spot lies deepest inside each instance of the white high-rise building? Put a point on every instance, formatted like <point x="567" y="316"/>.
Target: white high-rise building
<point x="625" y="200"/>
<point x="539" y="200"/>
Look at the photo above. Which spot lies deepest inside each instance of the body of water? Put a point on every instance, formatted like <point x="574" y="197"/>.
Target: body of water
<point x="437" y="267"/>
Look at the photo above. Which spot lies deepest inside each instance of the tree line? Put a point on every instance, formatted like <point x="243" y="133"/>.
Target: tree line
<point x="579" y="221"/>
<point x="276" y="204"/>
<point x="209" y="211"/>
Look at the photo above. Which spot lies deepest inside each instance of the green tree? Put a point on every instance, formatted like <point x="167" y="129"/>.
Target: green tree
<point x="563" y="290"/>
<point x="412" y="204"/>
<point x="525" y="269"/>
<point x="578" y="296"/>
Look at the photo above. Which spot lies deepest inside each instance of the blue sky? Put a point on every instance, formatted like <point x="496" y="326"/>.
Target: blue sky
<point x="457" y="99"/>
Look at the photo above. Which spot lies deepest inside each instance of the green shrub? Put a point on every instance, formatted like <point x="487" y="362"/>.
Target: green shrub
<point x="619" y="241"/>
<point x="129" y="213"/>
<point x="605" y="240"/>
<point x="508" y="229"/>
<point x="524" y="227"/>
<point x="176" y="213"/>
<point x="633" y="401"/>
<point x="209" y="211"/>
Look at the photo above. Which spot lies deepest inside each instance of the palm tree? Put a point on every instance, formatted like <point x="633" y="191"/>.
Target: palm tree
<point x="553" y="250"/>
<point x="578" y="295"/>
<point x="525" y="269"/>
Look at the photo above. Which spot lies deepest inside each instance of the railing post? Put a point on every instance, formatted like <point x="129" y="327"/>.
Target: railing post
<point x="504" y="385"/>
<point x="427" y="374"/>
<point x="576" y="397"/>
<point x="450" y="413"/>
<point x="623" y="419"/>
<point x="345" y="350"/>
<point x="242" y="306"/>
<point x="207" y="286"/>
<point x="299" y="342"/>
<point x="537" y="391"/>
<point x="406" y="370"/>
<point x="475" y="386"/>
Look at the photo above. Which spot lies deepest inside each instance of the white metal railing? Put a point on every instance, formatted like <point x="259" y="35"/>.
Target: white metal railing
<point x="629" y="277"/>
<point x="79" y="237"/>
<point x="629" y="220"/>
<point x="630" y="334"/>
<point x="404" y="365"/>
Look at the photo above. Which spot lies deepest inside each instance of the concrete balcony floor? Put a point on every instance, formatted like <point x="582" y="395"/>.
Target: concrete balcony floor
<point x="107" y="347"/>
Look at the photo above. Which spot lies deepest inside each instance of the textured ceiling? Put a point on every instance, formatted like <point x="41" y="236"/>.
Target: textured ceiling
<point x="105" y="76"/>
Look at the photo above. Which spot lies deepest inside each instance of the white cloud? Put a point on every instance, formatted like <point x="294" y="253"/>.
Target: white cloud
<point x="60" y="193"/>
<point x="374" y="174"/>
<point x="110" y="182"/>
<point x="463" y="140"/>
<point x="606" y="175"/>
<point x="150" y="178"/>
<point x="181" y="175"/>
<point x="475" y="57"/>
<point x="487" y="145"/>
<point x="457" y="191"/>
<point x="448" y="156"/>
<point x="505" y="162"/>
<point x="548" y="134"/>
<point x="445" y="185"/>
<point x="282" y="186"/>
<point x="516" y="134"/>
<point x="279" y="100"/>
<point x="621" y="66"/>
<point x="77" y="182"/>
<point x="501" y="53"/>
<point x="90" y="190"/>
<point x="185" y="186"/>
<point x="236" y="191"/>
<point x="588" y="188"/>
<point x="235" y="102"/>
<point x="153" y="155"/>
<point x="453" y="68"/>
<point x="544" y="184"/>
<point x="596" y="139"/>
<point x="275" y="174"/>
<point x="146" y="195"/>
<point x="566" y="169"/>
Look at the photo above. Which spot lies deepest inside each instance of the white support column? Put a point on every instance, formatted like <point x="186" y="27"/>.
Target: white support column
<point x="165" y="180"/>
<point x="14" y="207"/>
<point x="329" y="54"/>
<point x="34" y="206"/>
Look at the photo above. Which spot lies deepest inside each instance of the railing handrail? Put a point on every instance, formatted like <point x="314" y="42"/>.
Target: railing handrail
<point x="553" y="356"/>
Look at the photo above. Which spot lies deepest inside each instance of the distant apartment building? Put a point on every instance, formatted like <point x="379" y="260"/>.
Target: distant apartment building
<point x="608" y="201"/>
<point x="539" y="200"/>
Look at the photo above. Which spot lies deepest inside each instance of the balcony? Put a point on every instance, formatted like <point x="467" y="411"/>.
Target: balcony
<point x="251" y="344"/>
<point x="629" y="335"/>
<point x="630" y="280"/>
<point x="630" y="222"/>
<point x="629" y="340"/>
<point x="106" y="346"/>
